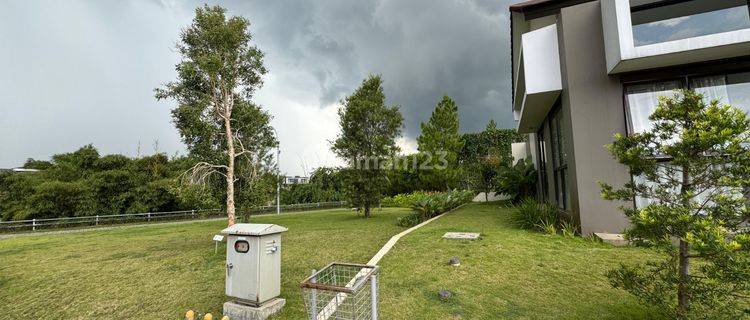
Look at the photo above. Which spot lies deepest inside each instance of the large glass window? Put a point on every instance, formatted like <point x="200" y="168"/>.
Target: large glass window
<point x="559" y="160"/>
<point x="641" y="99"/>
<point x="666" y="20"/>
<point x="669" y="173"/>
<point x="733" y="89"/>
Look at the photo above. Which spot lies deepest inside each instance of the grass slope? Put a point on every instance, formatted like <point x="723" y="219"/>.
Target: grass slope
<point x="508" y="274"/>
<point x="161" y="271"/>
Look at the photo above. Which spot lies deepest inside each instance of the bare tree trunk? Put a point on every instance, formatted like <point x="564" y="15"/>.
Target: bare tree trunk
<point x="230" y="166"/>
<point x="683" y="297"/>
<point x="683" y="300"/>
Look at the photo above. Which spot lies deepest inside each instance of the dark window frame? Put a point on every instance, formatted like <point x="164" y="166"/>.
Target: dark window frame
<point x="560" y="170"/>
<point x="541" y="150"/>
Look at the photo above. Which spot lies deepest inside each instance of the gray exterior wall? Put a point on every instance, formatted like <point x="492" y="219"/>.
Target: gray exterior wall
<point x="592" y="106"/>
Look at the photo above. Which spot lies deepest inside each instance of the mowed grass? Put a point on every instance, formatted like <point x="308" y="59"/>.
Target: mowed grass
<point x="161" y="271"/>
<point x="507" y="274"/>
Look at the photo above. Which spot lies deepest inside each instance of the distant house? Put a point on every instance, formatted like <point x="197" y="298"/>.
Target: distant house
<point x="17" y="170"/>
<point x="289" y="180"/>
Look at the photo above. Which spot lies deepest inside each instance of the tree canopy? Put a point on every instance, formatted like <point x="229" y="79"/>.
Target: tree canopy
<point x="369" y="130"/>
<point x="691" y="180"/>
<point x="84" y="183"/>
<point x="216" y="79"/>
<point x="439" y="143"/>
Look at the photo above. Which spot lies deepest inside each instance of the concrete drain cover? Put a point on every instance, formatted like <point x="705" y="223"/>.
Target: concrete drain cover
<point x="461" y="235"/>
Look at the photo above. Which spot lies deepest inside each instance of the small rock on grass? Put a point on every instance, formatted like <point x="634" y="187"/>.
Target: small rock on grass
<point x="445" y="294"/>
<point x="454" y="262"/>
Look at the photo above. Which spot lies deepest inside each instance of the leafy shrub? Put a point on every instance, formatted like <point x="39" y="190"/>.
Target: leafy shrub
<point x="409" y="220"/>
<point x="404" y="200"/>
<point x="517" y="181"/>
<point x="547" y="227"/>
<point x="531" y="214"/>
<point x="544" y="217"/>
<point x="568" y="229"/>
<point x="428" y="205"/>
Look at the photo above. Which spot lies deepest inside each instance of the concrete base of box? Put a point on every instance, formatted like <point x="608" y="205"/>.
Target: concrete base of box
<point x="238" y="311"/>
<point x="615" y="239"/>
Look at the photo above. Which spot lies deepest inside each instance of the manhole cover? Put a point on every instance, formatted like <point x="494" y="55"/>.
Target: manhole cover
<point x="461" y="235"/>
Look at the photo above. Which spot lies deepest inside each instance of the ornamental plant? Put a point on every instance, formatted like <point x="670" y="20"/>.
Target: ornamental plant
<point x="691" y="177"/>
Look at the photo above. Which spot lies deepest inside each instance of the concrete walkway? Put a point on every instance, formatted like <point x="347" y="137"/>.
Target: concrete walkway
<point x="391" y="242"/>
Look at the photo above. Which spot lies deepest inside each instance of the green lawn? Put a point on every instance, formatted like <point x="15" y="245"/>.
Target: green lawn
<point x="160" y="271"/>
<point x="507" y="274"/>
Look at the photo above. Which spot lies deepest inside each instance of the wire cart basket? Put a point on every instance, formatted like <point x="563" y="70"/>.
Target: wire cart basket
<point x="342" y="291"/>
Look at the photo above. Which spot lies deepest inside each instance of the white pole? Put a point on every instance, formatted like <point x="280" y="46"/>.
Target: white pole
<point x="374" y="296"/>
<point x="313" y="299"/>
<point x="278" y="182"/>
<point x="33" y="225"/>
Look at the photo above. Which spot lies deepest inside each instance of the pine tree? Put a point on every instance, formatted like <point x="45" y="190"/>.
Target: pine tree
<point x="693" y="170"/>
<point x="367" y="140"/>
<point x="440" y="142"/>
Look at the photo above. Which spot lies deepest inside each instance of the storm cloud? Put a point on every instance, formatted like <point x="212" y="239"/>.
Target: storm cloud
<point x="82" y="72"/>
<point x="422" y="48"/>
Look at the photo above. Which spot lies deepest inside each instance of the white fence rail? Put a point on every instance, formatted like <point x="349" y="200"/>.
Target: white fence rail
<point x="95" y="220"/>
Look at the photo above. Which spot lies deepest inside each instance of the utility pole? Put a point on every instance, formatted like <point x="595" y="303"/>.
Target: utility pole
<point x="278" y="181"/>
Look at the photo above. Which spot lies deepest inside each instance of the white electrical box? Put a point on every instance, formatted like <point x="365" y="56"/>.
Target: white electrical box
<point x="253" y="269"/>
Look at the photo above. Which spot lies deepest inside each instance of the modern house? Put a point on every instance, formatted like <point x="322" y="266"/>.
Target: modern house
<point x="584" y="70"/>
<point x="17" y="170"/>
<point x="290" y="180"/>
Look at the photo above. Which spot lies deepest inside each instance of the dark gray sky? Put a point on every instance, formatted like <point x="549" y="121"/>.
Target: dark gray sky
<point x="79" y="72"/>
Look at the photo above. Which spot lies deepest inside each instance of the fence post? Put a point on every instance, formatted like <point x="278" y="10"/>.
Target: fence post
<point x="97" y="219"/>
<point x="33" y="224"/>
<point x="192" y="213"/>
<point x="313" y="299"/>
<point x="374" y="296"/>
<point x="149" y="216"/>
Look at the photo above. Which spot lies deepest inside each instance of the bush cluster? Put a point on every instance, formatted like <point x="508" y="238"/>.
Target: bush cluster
<point x="542" y="216"/>
<point x="428" y="205"/>
<point x="518" y="181"/>
<point x="85" y="183"/>
<point x="404" y="200"/>
<point x="326" y="184"/>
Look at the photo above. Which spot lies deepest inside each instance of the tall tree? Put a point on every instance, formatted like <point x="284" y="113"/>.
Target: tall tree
<point x="691" y="173"/>
<point x="440" y="142"/>
<point x="216" y="79"/>
<point x="491" y="126"/>
<point x="367" y="140"/>
<point x="486" y="153"/>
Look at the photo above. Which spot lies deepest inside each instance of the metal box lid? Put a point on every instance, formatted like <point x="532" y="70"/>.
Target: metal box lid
<point x="253" y="229"/>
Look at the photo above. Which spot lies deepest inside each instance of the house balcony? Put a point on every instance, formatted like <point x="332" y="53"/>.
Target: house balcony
<point x="538" y="80"/>
<point x="647" y="34"/>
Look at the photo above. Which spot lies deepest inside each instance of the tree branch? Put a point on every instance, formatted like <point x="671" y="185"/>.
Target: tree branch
<point x="199" y="172"/>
